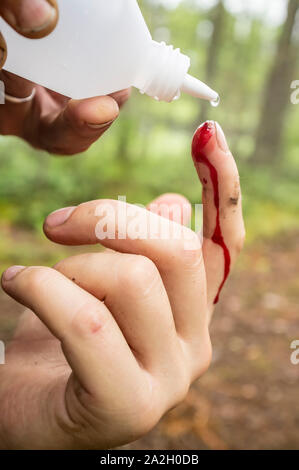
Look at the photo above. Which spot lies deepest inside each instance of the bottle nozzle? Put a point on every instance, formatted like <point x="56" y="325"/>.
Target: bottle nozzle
<point x="198" y="89"/>
<point x="164" y="76"/>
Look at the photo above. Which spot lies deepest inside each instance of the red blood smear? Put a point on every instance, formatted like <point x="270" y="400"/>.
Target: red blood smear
<point x="200" y="140"/>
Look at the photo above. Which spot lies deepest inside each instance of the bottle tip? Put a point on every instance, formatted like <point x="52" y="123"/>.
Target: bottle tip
<point x="215" y="102"/>
<point x="194" y="87"/>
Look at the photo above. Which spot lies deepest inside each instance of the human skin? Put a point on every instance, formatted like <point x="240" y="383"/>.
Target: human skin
<point x="50" y="121"/>
<point x="111" y="341"/>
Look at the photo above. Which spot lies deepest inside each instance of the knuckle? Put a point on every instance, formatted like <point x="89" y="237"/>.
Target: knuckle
<point x="190" y="259"/>
<point x="145" y="419"/>
<point x="142" y="424"/>
<point x="145" y="410"/>
<point x="201" y="355"/>
<point x="88" y="319"/>
<point x="37" y="278"/>
<point x="138" y="275"/>
<point x="70" y="265"/>
<point x="206" y="359"/>
<point x="185" y="252"/>
<point x="181" y="380"/>
<point x="183" y="386"/>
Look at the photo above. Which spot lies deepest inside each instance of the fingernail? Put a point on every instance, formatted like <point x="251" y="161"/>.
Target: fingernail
<point x="11" y="272"/>
<point x="3" y="51"/>
<point x="121" y="96"/>
<point x="2" y="56"/>
<point x="221" y="139"/>
<point x="36" y="16"/>
<point x="59" y="217"/>
<point x="100" y="126"/>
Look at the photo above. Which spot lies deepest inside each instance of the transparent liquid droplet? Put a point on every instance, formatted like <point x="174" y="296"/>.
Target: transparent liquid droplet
<point x="215" y="102"/>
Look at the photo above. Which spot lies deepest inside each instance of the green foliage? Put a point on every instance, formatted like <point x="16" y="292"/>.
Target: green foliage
<point x="147" y="152"/>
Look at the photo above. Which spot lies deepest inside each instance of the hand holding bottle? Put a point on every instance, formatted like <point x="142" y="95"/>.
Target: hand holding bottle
<point x="47" y="120"/>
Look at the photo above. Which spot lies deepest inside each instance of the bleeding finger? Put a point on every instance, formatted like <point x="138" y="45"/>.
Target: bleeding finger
<point x="223" y="220"/>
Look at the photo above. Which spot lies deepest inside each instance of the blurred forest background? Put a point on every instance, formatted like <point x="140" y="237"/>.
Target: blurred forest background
<point x="249" y="53"/>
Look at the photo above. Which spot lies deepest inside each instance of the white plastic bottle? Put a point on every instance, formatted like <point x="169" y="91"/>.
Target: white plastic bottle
<point x="99" y="47"/>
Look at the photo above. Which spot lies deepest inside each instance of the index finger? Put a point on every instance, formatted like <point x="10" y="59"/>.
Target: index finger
<point x="175" y="250"/>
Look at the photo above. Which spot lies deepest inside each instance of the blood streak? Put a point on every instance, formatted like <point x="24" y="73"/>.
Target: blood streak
<point x="200" y="140"/>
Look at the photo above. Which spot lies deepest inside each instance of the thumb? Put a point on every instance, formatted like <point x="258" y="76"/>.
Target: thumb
<point x="31" y="18"/>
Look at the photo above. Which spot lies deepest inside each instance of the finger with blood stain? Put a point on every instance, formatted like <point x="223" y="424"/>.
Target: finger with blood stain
<point x="223" y="221"/>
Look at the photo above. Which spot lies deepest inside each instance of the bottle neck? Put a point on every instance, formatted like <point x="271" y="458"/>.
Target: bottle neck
<point x="163" y="72"/>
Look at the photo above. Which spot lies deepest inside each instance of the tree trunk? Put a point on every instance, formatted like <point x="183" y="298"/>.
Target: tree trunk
<point x="277" y="93"/>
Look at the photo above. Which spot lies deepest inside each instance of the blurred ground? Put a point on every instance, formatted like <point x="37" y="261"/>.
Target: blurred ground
<point x="249" y="397"/>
